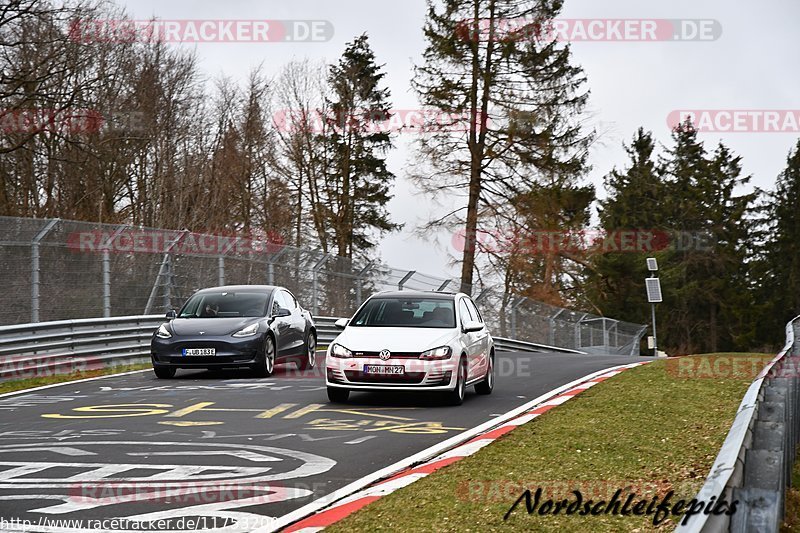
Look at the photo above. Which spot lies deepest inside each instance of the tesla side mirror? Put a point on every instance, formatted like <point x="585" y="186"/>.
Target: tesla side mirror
<point x="172" y="314"/>
<point x="282" y="312"/>
<point x="472" y="325"/>
<point x="341" y="323"/>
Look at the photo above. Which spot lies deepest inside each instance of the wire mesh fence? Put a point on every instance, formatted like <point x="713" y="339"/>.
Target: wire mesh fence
<point x="59" y="269"/>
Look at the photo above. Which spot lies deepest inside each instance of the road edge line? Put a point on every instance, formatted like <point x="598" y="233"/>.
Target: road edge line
<point x="350" y="494"/>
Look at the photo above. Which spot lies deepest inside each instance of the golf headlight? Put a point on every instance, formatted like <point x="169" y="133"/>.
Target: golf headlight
<point x="163" y="332"/>
<point x="249" y="331"/>
<point x="442" y="352"/>
<point x="337" y="350"/>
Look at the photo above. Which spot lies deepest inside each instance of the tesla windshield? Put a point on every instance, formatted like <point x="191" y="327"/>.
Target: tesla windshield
<point x="406" y="313"/>
<point x="225" y="305"/>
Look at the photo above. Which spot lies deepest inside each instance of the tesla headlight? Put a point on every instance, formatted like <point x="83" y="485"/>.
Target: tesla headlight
<point x="337" y="350"/>
<point x="442" y="352"/>
<point x="163" y="332"/>
<point x="249" y="331"/>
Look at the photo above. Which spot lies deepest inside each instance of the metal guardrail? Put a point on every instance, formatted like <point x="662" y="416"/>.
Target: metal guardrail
<point x="72" y="345"/>
<point x="754" y="465"/>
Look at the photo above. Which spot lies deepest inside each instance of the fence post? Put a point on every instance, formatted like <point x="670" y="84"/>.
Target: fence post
<point x="359" y="279"/>
<point x="164" y="265"/>
<point x="271" y="265"/>
<point x="35" y="268"/>
<point x="514" y="306"/>
<point x="407" y="277"/>
<point x="552" y="335"/>
<point x="106" y="245"/>
<point x="578" y="336"/>
<point x="314" y="272"/>
<point x="221" y="270"/>
<point x="168" y="283"/>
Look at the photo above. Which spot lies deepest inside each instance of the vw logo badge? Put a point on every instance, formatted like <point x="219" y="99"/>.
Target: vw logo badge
<point x="385" y="355"/>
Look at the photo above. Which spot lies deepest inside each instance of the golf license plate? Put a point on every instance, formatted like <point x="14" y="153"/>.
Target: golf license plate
<point x="199" y="351"/>
<point x="384" y="369"/>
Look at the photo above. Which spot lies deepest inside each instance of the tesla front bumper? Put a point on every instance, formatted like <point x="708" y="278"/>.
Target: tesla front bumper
<point x="228" y="351"/>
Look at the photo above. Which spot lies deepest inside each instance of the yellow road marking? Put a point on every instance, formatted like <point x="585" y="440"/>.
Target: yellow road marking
<point x="269" y="413"/>
<point x="131" y="409"/>
<point x="190" y="409"/>
<point x="187" y="423"/>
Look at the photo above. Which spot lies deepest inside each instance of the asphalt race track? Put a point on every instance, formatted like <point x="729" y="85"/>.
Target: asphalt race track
<point x="225" y="451"/>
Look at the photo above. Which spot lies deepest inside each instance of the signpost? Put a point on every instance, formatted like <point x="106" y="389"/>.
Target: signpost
<point x="653" y="285"/>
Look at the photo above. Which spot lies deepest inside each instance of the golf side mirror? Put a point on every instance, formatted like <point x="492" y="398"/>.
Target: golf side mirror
<point x="472" y="325"/>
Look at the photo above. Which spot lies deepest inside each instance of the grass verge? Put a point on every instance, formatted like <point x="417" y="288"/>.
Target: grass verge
<point x="29" y="383"/>
<point x="647" y="431"/>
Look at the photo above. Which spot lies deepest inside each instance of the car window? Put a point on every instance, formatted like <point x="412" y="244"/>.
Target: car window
<point x="463" y="310"/>
<point x="406" y="312"/>
<point x="291" y="301"/>
<point x="278" y="302"/>
<point x="224" y="304"/>
<point x="473" y="310"/>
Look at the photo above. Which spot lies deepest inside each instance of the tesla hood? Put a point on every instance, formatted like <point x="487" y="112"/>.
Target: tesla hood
<point x="210" y="326"/>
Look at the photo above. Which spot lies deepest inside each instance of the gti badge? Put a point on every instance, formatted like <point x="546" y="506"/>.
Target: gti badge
<point x="385" y="355"/>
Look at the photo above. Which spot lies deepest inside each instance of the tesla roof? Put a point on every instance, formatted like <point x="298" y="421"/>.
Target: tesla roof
<point x="234" y="288"/>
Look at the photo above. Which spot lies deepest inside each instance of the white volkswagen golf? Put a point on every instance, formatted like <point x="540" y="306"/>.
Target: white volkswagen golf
<point x="409" y="340"/>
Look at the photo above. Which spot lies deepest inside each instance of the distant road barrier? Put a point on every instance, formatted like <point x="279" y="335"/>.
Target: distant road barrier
<point x="65" y="346"/>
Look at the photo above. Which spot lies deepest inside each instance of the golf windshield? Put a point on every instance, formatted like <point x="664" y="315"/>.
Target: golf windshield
<point x="225" y="305"/>
<point x="406" y="313"/>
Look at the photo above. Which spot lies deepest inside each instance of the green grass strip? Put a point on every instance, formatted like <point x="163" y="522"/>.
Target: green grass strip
<point x="13" y="385"/>
<point x="649" y="430"/>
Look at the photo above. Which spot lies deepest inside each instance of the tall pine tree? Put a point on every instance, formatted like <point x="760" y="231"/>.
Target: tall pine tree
<point x="357" y="182"/>
<point x="780" y="284"/>
<point x="635" y="202"/>
<point x="513" y="102"/>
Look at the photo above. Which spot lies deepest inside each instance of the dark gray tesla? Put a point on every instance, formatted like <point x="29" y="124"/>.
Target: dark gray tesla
<point x="254" y="326"/>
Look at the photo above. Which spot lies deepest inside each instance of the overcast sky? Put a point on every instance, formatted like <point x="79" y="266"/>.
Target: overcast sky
<point x="752" y="66"/>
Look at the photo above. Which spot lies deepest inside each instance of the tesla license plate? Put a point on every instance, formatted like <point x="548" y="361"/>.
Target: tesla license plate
<point x="199" y="351"/>
<point x="383" y="369"/>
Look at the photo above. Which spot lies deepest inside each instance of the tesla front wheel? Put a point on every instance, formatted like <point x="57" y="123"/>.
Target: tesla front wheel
<point x="266" y="362"/>
<point x="337" y="395"/>
<point x="310" y="359"/>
